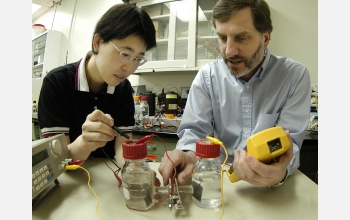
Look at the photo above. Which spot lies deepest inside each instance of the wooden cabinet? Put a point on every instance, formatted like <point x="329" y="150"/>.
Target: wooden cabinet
<point x="46" y="50"/>
<point x="186" y="39"/>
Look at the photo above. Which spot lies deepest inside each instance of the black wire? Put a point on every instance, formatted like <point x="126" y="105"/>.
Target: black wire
<point x="109" y="157"/>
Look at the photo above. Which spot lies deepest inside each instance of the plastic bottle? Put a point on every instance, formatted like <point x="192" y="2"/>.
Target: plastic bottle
<point x="144" y="106"/>
<point x="138" y="112"/>
<point x="136" y="176"/>
<point x="207" y="175"/>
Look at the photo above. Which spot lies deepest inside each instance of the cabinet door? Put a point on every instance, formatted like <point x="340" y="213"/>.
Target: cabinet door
<point x="206" y="39"/>
<point x="46" y="50"/>
<point x="175" y="33"/>
<point x="38" y="52"/>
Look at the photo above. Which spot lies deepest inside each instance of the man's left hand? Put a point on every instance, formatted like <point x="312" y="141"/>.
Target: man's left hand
<point x="259" y="174"/>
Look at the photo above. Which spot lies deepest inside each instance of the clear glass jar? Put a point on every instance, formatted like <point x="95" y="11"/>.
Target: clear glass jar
<point x="138" y="112"/>
<point x="137" y="183"/>
<point x="34" y="107"/>
<point x="144" y="106"/>
<point x="206" y="178"/>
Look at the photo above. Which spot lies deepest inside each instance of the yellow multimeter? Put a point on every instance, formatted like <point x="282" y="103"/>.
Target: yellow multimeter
<point x="264" y="146"/>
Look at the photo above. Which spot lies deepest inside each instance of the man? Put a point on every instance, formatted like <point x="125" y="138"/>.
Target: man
<point x="247" y="91"/>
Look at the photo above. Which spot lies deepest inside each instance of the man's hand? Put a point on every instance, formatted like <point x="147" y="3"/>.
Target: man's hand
<point x="185" y="162"/>
<point x="259" y="174"/>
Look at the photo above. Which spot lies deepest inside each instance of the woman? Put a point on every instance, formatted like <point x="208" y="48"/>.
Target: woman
<point x="85" y="99"/>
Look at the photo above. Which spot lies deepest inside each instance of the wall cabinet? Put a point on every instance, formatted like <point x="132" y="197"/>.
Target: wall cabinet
<point x="186" y="39"/>
<point x="46" y="50"/>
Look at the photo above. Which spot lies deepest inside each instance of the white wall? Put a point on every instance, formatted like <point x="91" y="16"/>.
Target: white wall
<point x="295" y="35"/>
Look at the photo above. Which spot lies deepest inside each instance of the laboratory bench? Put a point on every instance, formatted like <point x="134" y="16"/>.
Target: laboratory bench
<point x="308" y="153"/>
<point x="297" y="198"/>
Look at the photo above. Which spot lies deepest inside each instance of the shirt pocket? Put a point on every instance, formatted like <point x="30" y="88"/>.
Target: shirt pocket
<point x="265" y="121"/>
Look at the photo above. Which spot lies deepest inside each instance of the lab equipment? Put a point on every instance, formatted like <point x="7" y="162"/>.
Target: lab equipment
<point x="136" y="175"/>
<point x="265" y="146"/>
<point x="206" y="175"/>
<point x="138" y="112"/>
<point x="144" y="106"/>
<point x="137" y="182"/>
<point x="49" y="156"/>
<point x="171" y="103"/>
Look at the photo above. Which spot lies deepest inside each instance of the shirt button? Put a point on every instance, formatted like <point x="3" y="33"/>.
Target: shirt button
<point x="95" y="98"/>
<point x="95" y="107"/>
<point x="246" y="110"/>
<point x="247" y="87"/>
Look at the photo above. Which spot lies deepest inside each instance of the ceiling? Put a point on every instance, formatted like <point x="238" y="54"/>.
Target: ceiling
<point x="47" y="5"/>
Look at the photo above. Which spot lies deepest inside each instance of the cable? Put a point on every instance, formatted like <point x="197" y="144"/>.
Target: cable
<point x="172" y="181"/>
<point x="217" y="141"/>
<point x="74" y="167"/>
<point x="109" y="157"/>
<point x="53" y="19"/>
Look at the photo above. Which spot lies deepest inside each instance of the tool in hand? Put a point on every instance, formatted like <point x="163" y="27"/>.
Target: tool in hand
<point x="121" y="132"/>
<point x="265" y="146"/>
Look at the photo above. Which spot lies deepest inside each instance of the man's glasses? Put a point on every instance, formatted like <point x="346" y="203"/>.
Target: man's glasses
<point x="125" y="57"/>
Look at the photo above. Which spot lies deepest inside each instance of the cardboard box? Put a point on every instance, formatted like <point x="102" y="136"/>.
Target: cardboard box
<point x="159" y="29"/>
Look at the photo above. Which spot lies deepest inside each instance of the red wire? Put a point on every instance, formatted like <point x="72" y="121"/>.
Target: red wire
<point x="114" y="172"/>
<point x="120" y="180"/>
<point x="76" y="162"/>
<point x="172" y="181"/>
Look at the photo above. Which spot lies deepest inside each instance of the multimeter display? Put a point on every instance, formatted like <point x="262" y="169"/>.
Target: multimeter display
<point x="274" y="145"/>
<point x="37" y="158"/>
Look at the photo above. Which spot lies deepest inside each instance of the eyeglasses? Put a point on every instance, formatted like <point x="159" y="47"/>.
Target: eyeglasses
<point x="125" y="57"/>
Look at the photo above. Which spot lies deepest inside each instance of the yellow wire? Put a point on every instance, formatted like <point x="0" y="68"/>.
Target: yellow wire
<point x="222" y="181"/>
<point x="217" y="141"/>
<point x="73" y="167"/>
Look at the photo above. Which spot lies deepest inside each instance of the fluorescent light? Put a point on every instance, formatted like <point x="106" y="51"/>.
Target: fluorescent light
<point x="183" y="12"/>
<point x="35" y="7"/>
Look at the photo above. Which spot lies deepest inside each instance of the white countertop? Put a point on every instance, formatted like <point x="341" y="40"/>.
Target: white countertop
<point x="297" y="198"/>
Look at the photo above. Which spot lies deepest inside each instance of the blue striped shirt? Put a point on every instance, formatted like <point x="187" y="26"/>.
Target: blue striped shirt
<point x="278" y="94"/>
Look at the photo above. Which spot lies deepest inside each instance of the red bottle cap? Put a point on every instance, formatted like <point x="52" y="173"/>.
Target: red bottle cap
<point x="207" y="149"/>
<point x="144" y="98"/>
<point x="134" y="151"/>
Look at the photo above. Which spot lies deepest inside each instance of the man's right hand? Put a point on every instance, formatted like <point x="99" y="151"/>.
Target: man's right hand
<point x="185" y="162"/>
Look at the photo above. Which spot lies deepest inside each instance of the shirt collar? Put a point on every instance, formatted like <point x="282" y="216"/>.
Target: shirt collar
<point x="82" y="80"/>
<point x="261" y="71"/>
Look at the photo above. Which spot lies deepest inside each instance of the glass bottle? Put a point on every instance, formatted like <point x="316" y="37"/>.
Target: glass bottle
<point x="136" y="176"/>
<point x="206" y="178"/>
<point x="144" y="106"/>
<point x="34" y="107"/>
<point x="138" y="112"/>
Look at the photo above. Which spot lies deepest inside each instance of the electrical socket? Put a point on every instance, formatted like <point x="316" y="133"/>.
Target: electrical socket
<point x="314" y="87"/>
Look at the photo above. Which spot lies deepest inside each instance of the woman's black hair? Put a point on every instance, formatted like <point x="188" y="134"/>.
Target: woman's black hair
<point x="123" y="20"/>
